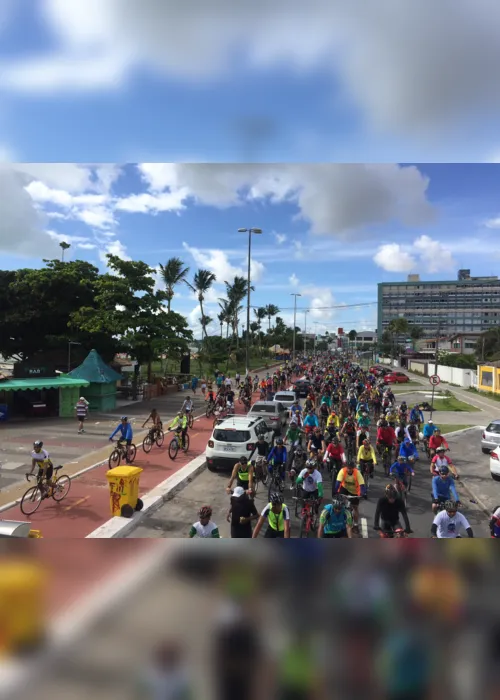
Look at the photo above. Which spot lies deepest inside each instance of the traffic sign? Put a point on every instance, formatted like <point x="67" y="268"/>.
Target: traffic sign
<point x="434" y="380"/>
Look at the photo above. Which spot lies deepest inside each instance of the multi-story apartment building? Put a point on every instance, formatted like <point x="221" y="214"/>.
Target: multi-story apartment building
<point x="465" y="305"/>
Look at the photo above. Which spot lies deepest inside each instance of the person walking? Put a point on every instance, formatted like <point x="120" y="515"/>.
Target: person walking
<point x="82" y="409"/>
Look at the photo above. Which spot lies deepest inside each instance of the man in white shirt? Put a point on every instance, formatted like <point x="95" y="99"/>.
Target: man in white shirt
<point x="228" y="382"/>
<point x="448" y="523"/>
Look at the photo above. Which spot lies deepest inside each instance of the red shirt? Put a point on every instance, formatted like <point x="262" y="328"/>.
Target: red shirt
<point x="387" y="436"/>
<point x="335" y="451"/>
<point x="436" y="441"/>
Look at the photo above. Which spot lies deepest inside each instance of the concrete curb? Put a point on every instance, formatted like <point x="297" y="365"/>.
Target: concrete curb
<point x="121" y="527"/>
<point x="68" y="629"/>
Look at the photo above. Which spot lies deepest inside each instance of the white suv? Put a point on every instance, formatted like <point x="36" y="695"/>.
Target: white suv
<point x="233" y="438"/>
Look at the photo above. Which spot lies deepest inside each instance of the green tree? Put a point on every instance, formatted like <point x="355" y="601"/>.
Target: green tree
<point x="488" y="345"/>
<point x="416" y="333"/>
<point x="172" y="274"/>
<point x="202" y="282"/>
<point x="271" y="311"/>
<point x="127" y="307"/>
<point x="236" y="291"/>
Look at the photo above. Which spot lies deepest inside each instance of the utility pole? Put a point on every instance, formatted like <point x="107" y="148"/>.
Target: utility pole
<point x="294" y="323"/>
<point x="247" y="337"/>
<point x="436" y="359"/>
<point x="315" y="335"/>
<point x="305" y="330"/>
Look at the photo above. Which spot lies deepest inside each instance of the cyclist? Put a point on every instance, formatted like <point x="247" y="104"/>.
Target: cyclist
<point x="333" y="420"/>
<point x="310" y="421"/>
<point x="367" y="458"/>
<point x="204" y="527"/>
<point x="439" y="460"/>
<point x="278" y="518"/>
<point x="350" y="482"/>
<point x="443" y="489"/>
<point x="413" y="433"/>
<point x="335" y="521"/>
<point x="262" y="448"/>
<point x="416" y="415"/>
<point x="180" y="423"/>
<point x="429" y="429"/>
<point x="401" y="432"/>
<point x="324" y="411"/>
<point x="243" y="475"/>
<point x="316" y="440"/>
<point x="277" y="458"/>
<point x="311" y="482"/>
<point x="296" y="411"/>
<point x="40" y="458"/>
<point x="335" y="453"/>
<point x="155" y="417"/>
<point x="448" y="522"/>
<point x="187" y="406"/>
<point x="495" y="523"/>
<point x="389" y="509"/>
<point x="437" y="440"/>
<point x="294" y="434"/>
<point x="386" y="437"/>
<point x="400" y="469"/>
<point x="127" y="434"/>
<point x="408" y="450"/>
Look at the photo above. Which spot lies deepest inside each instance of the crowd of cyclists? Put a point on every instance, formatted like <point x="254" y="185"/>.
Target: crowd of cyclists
<point x="331" y="434"/>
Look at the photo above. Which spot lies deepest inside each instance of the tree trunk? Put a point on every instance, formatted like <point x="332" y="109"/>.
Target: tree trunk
<point x="221" y="329"/>
<point x="203" y="329"/>
<point x="150" y="372"/>
<point x="135" y="381"/>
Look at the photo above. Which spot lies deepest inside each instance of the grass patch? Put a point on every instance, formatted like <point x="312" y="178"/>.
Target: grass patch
<point x="451" y="403"/>
<point x="450" y="427"/>
<point x="486" y="394"/>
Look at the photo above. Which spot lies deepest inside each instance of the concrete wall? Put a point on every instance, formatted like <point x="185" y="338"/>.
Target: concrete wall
<point x="453" y="375"/>
<point x="387" y="361"/>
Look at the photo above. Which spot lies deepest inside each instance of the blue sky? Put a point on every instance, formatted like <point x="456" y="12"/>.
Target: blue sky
<point x="331" y="231"/>
<point x="143" y="80"/>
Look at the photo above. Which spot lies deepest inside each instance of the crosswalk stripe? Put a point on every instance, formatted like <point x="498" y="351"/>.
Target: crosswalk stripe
<point x="364" y="528"/>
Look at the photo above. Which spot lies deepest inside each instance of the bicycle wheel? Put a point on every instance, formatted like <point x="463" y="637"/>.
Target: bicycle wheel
<point x="131" y="453"/>
<point x="272" y="487"/>
<point x="366" y="477"/>
<point x="31" y="500"/>
<point x="173" y="448"/>
<point x="255" y="486"/>
<point x="303" y="527"/>
<point x="209" y="410"/>
<point x="408" y="488"/>
<point x="190" y="420"/>
<point x="186" y="443"/>
<point x="147" y="444"/>
<point x="386" y="463"/>
<point x="61" y="488"/>
<point x="114" y="459"/>
<point x="160" y="437"/>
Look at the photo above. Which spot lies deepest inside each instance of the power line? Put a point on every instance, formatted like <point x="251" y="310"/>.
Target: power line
<point x="322" y="308"/>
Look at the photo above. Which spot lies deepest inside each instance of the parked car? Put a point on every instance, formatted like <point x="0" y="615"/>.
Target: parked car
<point x="233" y="438"/>
<point x="287" y="398"/>
<point x="490" y="439"/>
<point x="274" y="414"/>
<point x="396" y="378"/>
<point x="302" y="388"/>
<point x="495" y="464"/>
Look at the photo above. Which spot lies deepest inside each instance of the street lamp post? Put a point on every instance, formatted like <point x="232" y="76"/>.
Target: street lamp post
<point x="70" y="343"/>
<point x="247" y="344"/>
<point x="305" y="330"/>
<point x="315" y="334"/>
<point x="294" y="323"/>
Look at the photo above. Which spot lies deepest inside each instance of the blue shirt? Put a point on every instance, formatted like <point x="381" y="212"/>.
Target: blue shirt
<point x="125" y="430"/>
<point x="311" y="421"/>
<point x="429" y="430"/>
<point x="334" y="522"/>
<point x="444" y="488"/>
<point x="416" y="414"/>
<point x="278" y="453"/>
<point x="401" y="469"/>
<point x="408" y="450"/>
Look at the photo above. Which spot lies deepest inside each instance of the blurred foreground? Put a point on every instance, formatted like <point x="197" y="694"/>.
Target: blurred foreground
<point x="301" y="620"/>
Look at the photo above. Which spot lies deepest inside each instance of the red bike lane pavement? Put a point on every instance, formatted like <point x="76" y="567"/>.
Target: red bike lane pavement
<point x="87" y="505"/>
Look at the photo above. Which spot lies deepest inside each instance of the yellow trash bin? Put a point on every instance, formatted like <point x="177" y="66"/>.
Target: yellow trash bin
<point x="23" y="606"/>
<point x="124" y="490"/>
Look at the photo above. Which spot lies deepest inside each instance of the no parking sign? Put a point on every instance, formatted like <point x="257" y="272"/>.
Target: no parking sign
<point x="434" y="380"/>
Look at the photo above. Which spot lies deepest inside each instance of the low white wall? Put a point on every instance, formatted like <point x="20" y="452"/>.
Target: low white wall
<point x="464" y="378"/>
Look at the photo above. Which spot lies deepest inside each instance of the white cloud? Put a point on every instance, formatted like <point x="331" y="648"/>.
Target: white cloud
<point x="493" y="223"/>
<point x="217" y="261"/>
<point x="321" y="301"/>
<point x="334" y="198"/>
<point x="280" y="238"/>
<point x="114" y="248"/>
<point x="425" y="253"/>
<point x="373" y="50"/>
<point x="294" y="280"/>
<point x="393" y="258"/>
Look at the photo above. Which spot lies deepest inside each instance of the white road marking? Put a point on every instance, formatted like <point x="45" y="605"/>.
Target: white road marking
<point x="364" y="528"/>
<point x="10" y="466"/>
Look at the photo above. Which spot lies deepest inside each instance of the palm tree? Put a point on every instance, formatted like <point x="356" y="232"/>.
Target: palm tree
<point x="64" y="246"/>
<point x="225" y="315"/>
<point x="260" y="315"/>
<point x="398" y="326"/>
<point x="202" y="281"/>
<point x="172" y="273"/>
<point x="205" y="322"/>
<point x="236" y="292"/>
<point x="271" y="310"/>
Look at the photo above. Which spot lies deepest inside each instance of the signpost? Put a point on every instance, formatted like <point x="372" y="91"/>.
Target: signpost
<point x="434" y="380"/>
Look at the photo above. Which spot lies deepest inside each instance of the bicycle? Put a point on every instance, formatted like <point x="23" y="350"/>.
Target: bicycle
<point x="386" y="459"/>
<point x="393" y="532"/>
<point x="276" y="483"/>
<point x="190" y="419"/>
<point x="210" y="409"/>
<point x="122" y="451"/>
<point x="401" y="488"/>
<point x="260" y="473"/>
<point x="155" y="435"/>
<point x="58" y="489"/>
<point x="350" y="448"/>
<point x="365" y="468"/>
<point x="177" y="444"/>
<point x="309" y="518"/>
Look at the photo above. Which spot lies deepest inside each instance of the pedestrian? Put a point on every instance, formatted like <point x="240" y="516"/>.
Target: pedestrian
<point x="194" y="384"/>
<point x="241" y="513"/>
<point x="203" y="386"/>
<point x="82" y="409"/>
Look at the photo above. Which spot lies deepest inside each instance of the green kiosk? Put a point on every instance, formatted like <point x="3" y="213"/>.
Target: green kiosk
<point x="101" y="392"/>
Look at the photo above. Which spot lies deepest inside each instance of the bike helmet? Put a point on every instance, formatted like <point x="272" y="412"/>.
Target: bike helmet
<point x="279" y="441"/>
<point x="243" y="459"/>
<point x="440" y="449"/>
<point x="276" y="499"/>
<point x="311" y="464"/>
<point x="444" y="470"/>
<point x="450" y="505"/>
<point x="337" y="503"/>
<point x="390" y="491"/>
<point x="366" y="443"/>
<point x="38" y="443"/>
<point x="124" y="418"/>
<point x="336" y="440"/>
<point x="205" y="512"/>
